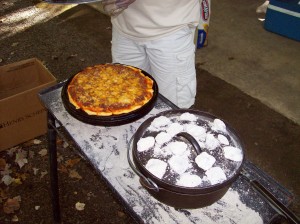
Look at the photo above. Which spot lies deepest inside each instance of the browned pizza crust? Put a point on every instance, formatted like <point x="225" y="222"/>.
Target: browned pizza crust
<point x="110" y="89"/>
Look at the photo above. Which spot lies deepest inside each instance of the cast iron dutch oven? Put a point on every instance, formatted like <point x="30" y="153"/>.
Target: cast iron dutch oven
<point x="175" y="195"/>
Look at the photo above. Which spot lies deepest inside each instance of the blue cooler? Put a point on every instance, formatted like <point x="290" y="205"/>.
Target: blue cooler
<point x="283" y="17"/>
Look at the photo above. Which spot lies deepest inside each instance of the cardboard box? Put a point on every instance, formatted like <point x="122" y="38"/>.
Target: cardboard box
<point x="283" y="18"/>
<point x="22" y="116"/>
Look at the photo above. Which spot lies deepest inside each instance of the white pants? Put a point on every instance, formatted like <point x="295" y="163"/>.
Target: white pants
<point x="170" y="60"/>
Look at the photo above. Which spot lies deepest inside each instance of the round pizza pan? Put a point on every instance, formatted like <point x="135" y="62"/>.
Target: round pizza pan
<point x="113" y="120"/>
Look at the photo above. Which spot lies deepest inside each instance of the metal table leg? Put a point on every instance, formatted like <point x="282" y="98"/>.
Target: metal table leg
<point x="53" y="168"/>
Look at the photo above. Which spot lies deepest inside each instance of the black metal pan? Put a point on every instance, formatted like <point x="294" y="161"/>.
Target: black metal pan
<point x="113" y="120"/>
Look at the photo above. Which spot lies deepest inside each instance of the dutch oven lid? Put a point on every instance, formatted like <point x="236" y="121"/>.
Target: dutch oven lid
<point x="160" y="151"/>
<point x="113" y="120"/>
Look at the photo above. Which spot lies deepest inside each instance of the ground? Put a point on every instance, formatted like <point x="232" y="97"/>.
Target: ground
<point x="67" y="43"/>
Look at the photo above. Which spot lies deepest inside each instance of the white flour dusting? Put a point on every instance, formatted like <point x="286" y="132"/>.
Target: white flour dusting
<point x="160" y="122"/>
<point x="162" y="138"/>
<point x="218" y="125"/>
<point x="233" y="153"/>
<point x="205" y="161"/>
<point x="179" y="164"/>
<point x="196" y="131"/>
<point x="211" y="142"/>
<point x="156" y="167"/>
<point x="223" y="140"/>
<point x="177" y="148"/>
<point x="189" y="180"/>
<point x="215" y="175"/>
<point x="228" y="210"/>
<point x="174" y="129"/>
<point x="187" y="117"/>
<point x="145" y="143"/>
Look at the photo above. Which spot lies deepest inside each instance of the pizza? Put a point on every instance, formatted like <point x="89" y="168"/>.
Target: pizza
<point x="110" y="89"/>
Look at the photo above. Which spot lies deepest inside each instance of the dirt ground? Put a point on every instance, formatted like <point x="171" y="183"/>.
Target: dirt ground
<point x="70" y="42"/>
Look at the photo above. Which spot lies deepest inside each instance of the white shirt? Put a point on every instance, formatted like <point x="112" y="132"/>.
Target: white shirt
<point x="152" y="19"/>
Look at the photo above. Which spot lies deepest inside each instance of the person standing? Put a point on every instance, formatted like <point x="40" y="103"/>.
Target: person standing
<point x="157" y="36"/>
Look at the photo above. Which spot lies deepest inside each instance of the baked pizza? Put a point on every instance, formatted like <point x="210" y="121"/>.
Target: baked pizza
<point x="110" y="89"/>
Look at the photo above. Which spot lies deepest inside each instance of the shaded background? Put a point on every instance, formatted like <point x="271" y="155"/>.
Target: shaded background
<point x="70" y="38"/>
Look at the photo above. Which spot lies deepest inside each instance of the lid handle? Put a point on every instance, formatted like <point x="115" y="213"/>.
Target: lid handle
<point x="192" y="140"/>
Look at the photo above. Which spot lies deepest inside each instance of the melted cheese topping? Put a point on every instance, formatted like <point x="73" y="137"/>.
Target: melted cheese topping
<point x="110" y="89"/>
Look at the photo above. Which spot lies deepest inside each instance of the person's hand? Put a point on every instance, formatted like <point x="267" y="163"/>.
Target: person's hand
<point x="115" y="7"/>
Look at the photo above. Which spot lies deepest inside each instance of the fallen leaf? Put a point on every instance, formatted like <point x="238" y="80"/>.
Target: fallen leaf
<point x="60" y="158"/>
<point x="71" y="162"/>
<point x="43" y="174"/>
<point x="7" y="179"/>
<point x="37" y="142"/>
<point x="74" y="174"/>
<point x="63" y="169"/>
<point x="79" y="206"/>
<point x="65" y="145"/>
<point x="17" y="181"/>
<point x="2" y="164"/>
<point x="22" y="162"/>
<point x="21" y="159"/>
<point x="11" y="205"/>
<point x="35" y="170"/>
<point x="15" y="219"/>
<point x="22" y="176"/>
<point x="43" y="152"/>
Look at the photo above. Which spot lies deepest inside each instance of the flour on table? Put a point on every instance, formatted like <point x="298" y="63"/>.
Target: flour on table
<point x="233" y="153"/>
<point x="215" y="175"/>
<point x="157" y="167"/>
<point x="189" y="180"/>
<point x="145" y="144"/>
<point x="229" y="209"/>
<point x="205" y="161"/>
